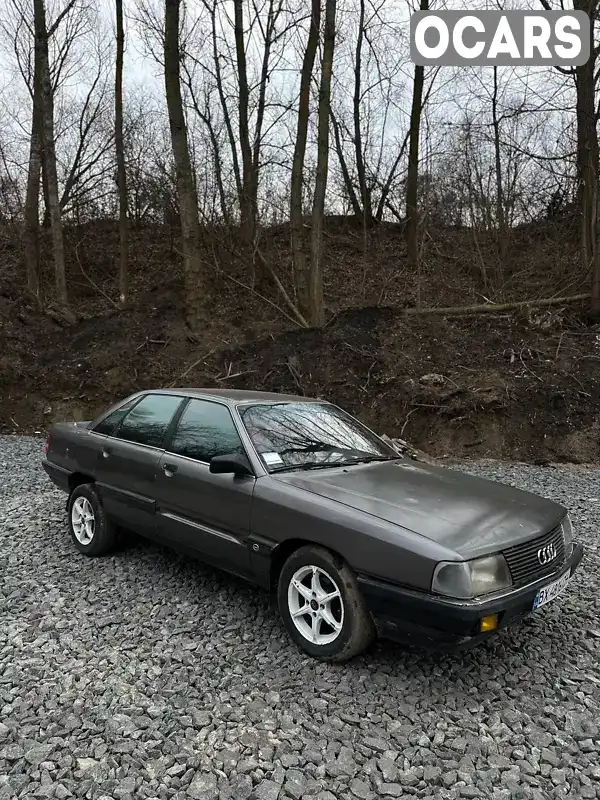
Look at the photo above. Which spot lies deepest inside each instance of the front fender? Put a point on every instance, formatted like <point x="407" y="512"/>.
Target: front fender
<point x="371" y="546"/>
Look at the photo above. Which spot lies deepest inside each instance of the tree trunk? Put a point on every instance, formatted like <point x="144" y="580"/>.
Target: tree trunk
<point x="587" y="155"/>
<point x="186" y="191"/>
<point x="31" y="242"/>
<point x="301" y="272"/>
<point x="317" y="307"/>
<point x="587" y="160"/>
<point x="501" y="229"/>
<point x="49" y="152"/>
<point x="247" y="207"/>
<point x="365" y="193"/>
<point x="46" y="193"/>
<point x="412" y="177"/>
<point x="120" y="156"/>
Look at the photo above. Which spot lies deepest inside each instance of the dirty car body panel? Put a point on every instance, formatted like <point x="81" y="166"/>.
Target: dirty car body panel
<point x="396" y="522"/>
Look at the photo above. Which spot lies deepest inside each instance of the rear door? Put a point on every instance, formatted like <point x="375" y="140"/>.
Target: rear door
<point x="206" y="514"/>
<point x="128" y="460"/>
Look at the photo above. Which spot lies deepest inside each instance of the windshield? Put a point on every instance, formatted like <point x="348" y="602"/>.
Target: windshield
<point x="308" y="435"/>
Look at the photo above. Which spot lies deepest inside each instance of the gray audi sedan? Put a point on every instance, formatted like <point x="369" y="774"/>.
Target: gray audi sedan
<point x="298" y="496"/>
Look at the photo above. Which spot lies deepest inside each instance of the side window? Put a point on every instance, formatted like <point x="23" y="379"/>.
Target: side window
<point x="206" y="430"/>
<point x="148" y="421"/>
<point x="110" y="422"/>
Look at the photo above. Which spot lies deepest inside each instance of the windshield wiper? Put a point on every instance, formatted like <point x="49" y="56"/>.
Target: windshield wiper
<point x="309" y="465"/>
<point x="367" y="459"/>
<point x="330" y="464"/>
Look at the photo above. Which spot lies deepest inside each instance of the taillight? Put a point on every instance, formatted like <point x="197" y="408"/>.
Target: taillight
<point x="47" y="445"/>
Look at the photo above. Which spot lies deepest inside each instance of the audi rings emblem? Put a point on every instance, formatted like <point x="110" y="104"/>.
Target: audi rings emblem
<point x="546" y="554"/>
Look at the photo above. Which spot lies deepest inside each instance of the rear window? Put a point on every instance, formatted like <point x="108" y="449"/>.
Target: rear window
<point x="148" y="421"/>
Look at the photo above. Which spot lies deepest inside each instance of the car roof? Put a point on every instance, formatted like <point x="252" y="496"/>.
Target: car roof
<point x="238" y="396"/>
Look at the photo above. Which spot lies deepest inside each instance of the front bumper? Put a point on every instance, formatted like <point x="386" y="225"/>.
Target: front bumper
<point x="428" y="620"/>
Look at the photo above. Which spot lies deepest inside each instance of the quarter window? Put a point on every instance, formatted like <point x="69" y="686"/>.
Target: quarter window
<point x="206" y="430"/>
<point x="148" y="421"/>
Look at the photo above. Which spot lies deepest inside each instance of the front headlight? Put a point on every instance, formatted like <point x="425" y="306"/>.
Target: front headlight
<point x="467" y="579"/>
<point x="567" y="530"/>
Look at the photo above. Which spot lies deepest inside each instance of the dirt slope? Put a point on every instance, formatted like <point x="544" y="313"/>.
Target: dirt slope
<point x="505" y="387"/>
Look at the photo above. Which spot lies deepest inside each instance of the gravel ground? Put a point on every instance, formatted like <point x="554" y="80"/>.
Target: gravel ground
<point x="144" y="675"/>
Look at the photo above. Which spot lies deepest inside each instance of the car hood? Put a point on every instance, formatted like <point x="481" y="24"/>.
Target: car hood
<point x="471" y="516"/>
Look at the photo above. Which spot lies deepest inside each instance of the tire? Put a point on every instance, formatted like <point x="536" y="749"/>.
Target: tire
<point x="352" y="629"/>
<point x="91" y="531"/>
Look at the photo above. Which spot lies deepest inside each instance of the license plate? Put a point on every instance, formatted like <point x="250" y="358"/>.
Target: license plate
<point x="548" y="593"/>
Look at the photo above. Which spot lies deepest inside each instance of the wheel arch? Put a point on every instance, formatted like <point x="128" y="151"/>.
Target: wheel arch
<point x="283" y="551"/>
<point x="78" y="479"/>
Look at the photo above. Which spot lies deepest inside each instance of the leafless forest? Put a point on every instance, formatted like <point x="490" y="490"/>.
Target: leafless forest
<point x="219" y="171"/>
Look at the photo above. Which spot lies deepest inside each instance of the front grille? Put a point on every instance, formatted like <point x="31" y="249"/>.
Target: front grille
<point x="523" y="558"/>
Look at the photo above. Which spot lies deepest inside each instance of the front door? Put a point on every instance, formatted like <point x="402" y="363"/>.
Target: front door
<point x="128" y="460"/>
<point x="203" y="513"/>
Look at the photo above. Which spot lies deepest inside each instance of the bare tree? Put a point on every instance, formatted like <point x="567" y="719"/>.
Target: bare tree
<point x="44" y="56"/>
<point x="368" y="107"/>
<point x="500" y="217"/>
<point x="31" y="247"/>
<point x="588" y="155"/>
<point x="301" y="272"/>
<point x="345" y="170"/>
<point x="250" y="147"/>
<point x="204" y="110"/>
<point x="120" y="156"/>
<point x="247" y="199"/>
<point x="186" y="188"/>
<point x="86" y="144"/>
<point x="317" y="307"/>
<point x="365" y="191"/>
<point x="588" y="151"/>
<point x="412" y="178"/>
<point x="149" y="162"/>
<point x="42" y="35"/>
<point x="216" y="74"/>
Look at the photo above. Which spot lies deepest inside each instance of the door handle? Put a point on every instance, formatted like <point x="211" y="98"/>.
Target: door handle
<point x="105" y="452"/>
<point x="169" y="469"/>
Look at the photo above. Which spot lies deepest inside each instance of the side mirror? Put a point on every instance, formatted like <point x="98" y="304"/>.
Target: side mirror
<point x="230" y="463"/>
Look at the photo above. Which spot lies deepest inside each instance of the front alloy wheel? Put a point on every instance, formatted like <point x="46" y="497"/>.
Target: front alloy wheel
<point x="321" y="605"/>
<point x="315" y="605"/>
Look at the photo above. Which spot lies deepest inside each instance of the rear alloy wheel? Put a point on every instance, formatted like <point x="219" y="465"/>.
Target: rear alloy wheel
<point x="92" y="533"/>
<point x="321" y="606"/>
<point x="83" y="520"/>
